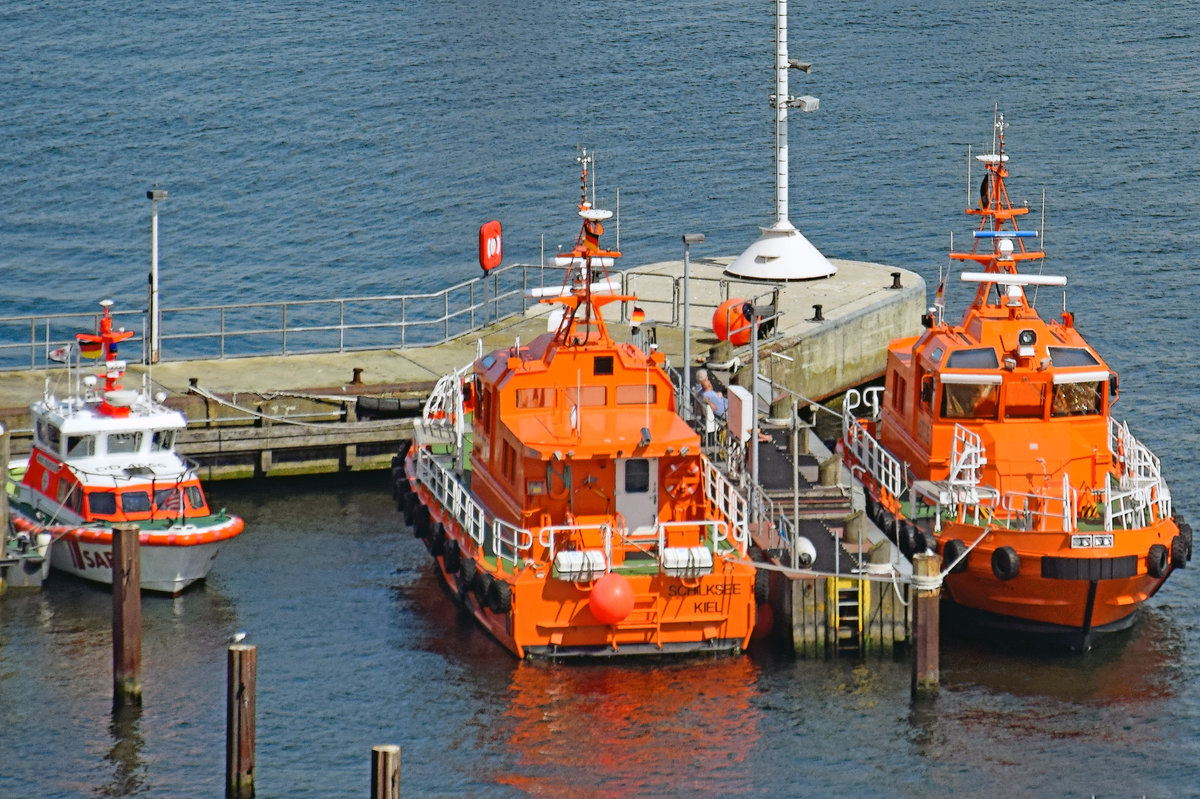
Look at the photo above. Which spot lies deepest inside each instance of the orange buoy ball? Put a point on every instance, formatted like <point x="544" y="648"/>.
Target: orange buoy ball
<point x="612" y="598"/>
<point x="764" y="621"/>
<point x="731" y="323"/>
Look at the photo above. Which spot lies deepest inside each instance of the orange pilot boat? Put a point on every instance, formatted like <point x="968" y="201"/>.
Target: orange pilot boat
<point x="567" y="503"/>
<point x="992" y="441"/>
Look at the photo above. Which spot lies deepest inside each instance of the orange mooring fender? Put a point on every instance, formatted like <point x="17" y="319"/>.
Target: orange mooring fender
<point x="731" y="322"/>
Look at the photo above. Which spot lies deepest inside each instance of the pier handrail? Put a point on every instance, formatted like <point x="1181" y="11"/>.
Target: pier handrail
<point x="292" y="327"/>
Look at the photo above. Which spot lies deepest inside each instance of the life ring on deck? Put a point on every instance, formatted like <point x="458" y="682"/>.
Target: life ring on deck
<point x="952" y="550"/>
<point x="500" y="596"/>
<point x="681" y="480"/>
<point x="1156" y="561"/>
<point x="1006" y="563"/>
<point x="1178" y="552"/>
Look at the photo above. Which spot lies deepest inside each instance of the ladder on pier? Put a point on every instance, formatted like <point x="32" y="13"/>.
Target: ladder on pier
<point x="846" y="613"/>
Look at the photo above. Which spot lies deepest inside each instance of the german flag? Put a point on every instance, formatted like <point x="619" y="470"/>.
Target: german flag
<point x="637" y="317"/>
<point x="90" y="346"/>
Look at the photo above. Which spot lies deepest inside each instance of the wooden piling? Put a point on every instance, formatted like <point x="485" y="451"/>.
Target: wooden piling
<point x="239" y="721"/>
<point x="127" y="615"/>
<point x="385" y="771"/>
<point x="926" y="669"/>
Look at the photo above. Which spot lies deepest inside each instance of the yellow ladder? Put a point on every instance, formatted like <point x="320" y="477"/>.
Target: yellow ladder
<point x="845" y="605"/>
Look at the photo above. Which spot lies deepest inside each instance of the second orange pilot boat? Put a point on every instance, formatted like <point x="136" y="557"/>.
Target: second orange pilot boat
<point x="566" y="501"/>
<point x="993" y="442"/>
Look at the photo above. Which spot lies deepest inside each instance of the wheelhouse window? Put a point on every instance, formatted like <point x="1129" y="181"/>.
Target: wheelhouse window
<point x="637" y="476"/>
<point x="168" y="499"/>
<point x="602" y="365"/>
<point x="540" y="397"/>
<point x="124" y="442"/>
<point x="978" y="358"/>
<point x="587" y="395"/>
<point x="1078" y="399"/>
<point x="163" y="440"/>
<point x="81" y="446"/>
<point x="970" y="401"/>
<point x="1071" y="356"/>
<point x="135" y="502"/>
<point x="102" y="503"/>
<point x="637" y="395"/>
<point x="195" y="497"/>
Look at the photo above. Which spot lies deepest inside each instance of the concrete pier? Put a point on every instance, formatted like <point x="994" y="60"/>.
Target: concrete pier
<point x="293" y="414"/>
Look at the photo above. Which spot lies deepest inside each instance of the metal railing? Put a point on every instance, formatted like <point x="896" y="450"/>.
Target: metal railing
<point x="344" y="324"/>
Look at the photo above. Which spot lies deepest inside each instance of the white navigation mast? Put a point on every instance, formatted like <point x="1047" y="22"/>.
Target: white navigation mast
<point x="782" y="252"/>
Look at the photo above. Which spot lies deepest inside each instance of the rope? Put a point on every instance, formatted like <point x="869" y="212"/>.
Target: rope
<point x="255" y="413"/>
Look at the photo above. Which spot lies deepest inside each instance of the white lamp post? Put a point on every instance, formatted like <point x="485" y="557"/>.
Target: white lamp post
<point x="688" y="240"/>
<point x="155" y="336"/>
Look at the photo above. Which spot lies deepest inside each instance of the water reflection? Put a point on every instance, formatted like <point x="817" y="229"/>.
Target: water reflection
<point x="129" y="773"/>
<point x="632" y="729"/>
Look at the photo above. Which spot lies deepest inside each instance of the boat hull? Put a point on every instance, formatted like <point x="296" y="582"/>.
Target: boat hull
<point x="1048" y="591"/>
<point x="546" y="617"/>
<point x="171" y="560"/>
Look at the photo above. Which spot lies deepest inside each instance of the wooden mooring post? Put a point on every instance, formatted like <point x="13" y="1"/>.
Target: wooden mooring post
<point x="385" y="771"/>
<point x="127" y="615"/>
<point x="239" y="721"/>
<point x="927" y="590"/>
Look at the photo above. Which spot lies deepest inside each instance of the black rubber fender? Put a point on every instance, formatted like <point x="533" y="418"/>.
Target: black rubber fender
<point x="421" y="520"/>
<point x="1178" y="552"/>
<point x="437" y="538"/>
<point x="762" y="586"/>
<point x="451" y="555"/>
<point x="1156" y="561"/>
<point x="1185" y="530"/>
<point x="410" y="504"/>
<point x="468" y="571"/>
<point x="483" y="587"/>
<point x="500" y="596"/>
<point x="951" y="551"/>
<point x="1006" y="563"/>
<point x="910" y="539"/>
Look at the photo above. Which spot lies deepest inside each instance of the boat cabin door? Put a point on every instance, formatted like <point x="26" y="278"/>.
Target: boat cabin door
<point x="637" y="493"/>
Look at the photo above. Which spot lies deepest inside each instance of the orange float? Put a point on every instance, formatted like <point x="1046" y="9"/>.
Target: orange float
<point x="731" y="321"/>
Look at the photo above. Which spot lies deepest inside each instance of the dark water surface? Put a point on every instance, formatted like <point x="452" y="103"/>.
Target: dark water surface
<point x="331" y="149"/>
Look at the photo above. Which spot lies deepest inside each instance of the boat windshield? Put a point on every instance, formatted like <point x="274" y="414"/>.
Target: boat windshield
<point x="970" y="401"/>
<point x="124" y="442"/>
<point x="1077" y="399"/>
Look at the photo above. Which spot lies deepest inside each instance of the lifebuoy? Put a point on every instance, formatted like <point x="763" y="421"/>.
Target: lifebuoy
<point x="500" y="596"/>
<point x="1156" y="561"/>
<point x="490" y="251"/>
<point x="1006" y="563"/>
<point x="681" y="480"/>
<point x="952" y="550"/>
